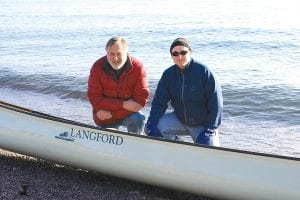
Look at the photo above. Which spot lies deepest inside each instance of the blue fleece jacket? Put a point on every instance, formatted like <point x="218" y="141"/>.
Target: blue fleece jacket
<point x="194" y="94"/>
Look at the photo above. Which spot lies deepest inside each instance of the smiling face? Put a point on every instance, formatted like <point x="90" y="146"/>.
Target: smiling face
<point x="117" y="54"/>
<point x="181" y="56"/>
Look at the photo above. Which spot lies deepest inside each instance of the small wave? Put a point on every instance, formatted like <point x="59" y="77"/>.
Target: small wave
<point x="238" y="39"/>
<point x="59" y="85"/>
<point x="279" y="103"/>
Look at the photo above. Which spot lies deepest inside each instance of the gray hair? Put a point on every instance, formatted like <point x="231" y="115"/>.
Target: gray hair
<point x="113" y="40"/>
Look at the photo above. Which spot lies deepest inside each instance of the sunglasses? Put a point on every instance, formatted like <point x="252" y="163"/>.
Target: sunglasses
<point x="175" y="53"/>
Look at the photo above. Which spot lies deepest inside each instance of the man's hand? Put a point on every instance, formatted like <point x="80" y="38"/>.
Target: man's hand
<point x="104" y="114"/>
<point x="131" y="105"/>
<point x="152" y="130"/>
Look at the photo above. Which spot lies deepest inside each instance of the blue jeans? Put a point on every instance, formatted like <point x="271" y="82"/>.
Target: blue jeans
<point x="134" y="123"/>
<point x="172" y="129"/>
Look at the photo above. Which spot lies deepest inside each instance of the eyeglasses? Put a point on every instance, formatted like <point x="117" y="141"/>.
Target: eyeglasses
<point x="175" y="53"/>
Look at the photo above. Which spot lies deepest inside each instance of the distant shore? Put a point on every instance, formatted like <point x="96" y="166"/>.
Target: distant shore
<point x="24" y="177"/>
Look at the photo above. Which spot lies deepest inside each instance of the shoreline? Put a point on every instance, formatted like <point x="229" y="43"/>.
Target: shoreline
<point x="24" y="177"/>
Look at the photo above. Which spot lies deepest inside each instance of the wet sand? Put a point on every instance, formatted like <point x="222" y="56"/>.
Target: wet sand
<point x="24" y="177"/>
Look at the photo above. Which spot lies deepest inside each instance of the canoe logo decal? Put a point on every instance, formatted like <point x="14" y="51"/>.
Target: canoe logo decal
<point x="65" y="136"/>
<point x="102" y="137"/>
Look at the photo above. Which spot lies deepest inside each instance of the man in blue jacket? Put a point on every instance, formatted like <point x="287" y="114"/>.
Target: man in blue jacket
<point x="195" y="96"/>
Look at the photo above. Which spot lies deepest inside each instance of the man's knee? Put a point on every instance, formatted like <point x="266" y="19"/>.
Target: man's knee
<point x="136" y="123"/>
<point x="138" y="118"/>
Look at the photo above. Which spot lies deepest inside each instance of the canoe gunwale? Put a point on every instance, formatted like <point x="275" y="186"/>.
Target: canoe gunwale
<point x="71" y="122"/>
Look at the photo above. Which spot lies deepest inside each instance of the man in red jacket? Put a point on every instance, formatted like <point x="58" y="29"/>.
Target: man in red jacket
<point x="118" y="88"/>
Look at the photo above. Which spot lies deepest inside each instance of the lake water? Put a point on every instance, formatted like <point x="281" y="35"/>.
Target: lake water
<point x="48" y="47"/>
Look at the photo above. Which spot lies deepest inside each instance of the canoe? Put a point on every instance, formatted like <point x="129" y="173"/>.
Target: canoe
<point x="215" y="172"/>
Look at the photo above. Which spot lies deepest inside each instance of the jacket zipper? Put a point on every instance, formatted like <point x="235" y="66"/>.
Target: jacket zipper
<point x="182" y="93"/>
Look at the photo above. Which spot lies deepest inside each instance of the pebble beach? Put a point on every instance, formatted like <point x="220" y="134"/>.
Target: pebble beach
<point x="24" y="177"/>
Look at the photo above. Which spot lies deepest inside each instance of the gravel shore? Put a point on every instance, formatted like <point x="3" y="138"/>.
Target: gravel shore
<point x="24" y="177"/>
